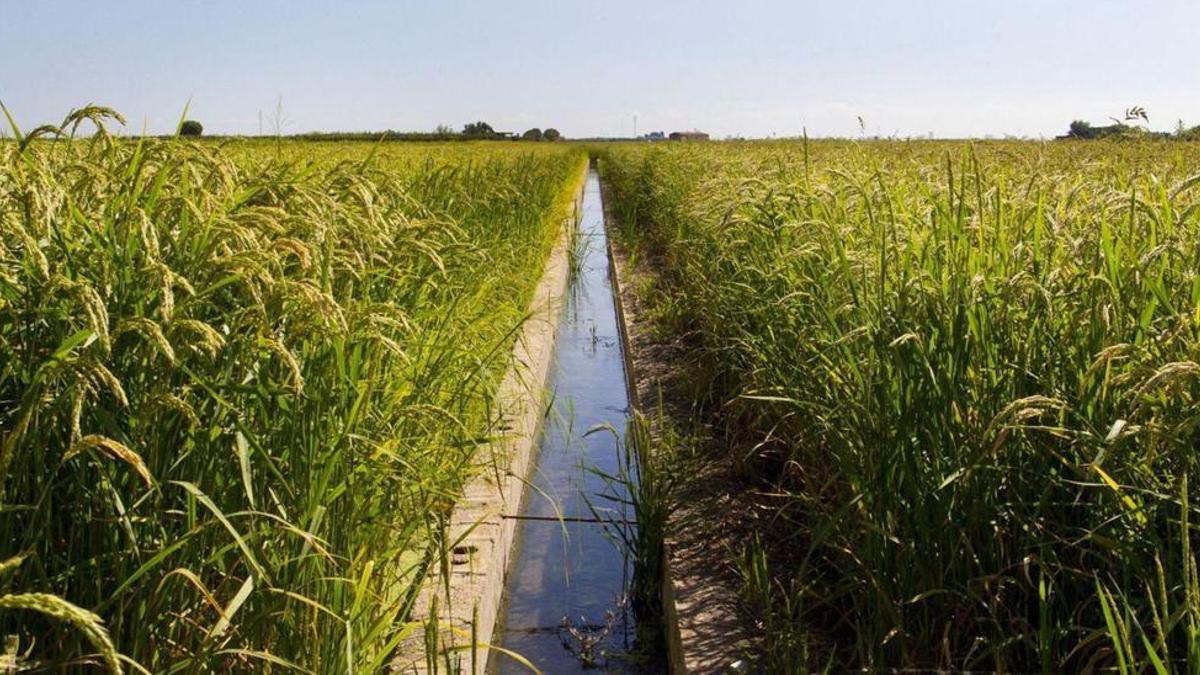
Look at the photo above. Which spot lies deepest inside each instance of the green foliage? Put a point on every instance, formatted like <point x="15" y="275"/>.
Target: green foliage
<point x="967" y="376"/>
<point x="646" y="481"/>
<point x="241" y="387"/>
<point x="779" y="606"/>
<point x="534" y="134"/>
<point x="1081" y="130"/>
<point x="191" y="128"/>
<point x="552" y="134"/>
<point x="478" y="130"/>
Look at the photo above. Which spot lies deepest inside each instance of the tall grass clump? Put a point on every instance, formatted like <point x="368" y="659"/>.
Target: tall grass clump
<point x="967" y="378"/>
<point x="644" y="486"/>
<point x="241" y="385"/>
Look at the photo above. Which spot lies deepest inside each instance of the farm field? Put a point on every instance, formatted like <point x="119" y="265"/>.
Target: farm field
<point x="963" y="378"/>
<point x="241" y="384"/>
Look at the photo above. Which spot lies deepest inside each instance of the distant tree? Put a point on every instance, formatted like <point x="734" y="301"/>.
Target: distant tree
<point x="479" y="130"/>
<point x="1118" y="129"/>
<point x="444" y="130"/>
<point x="191" y="128"/>
<point x="552" y="134"/>
<point x="1081" y="129"/>
<point x="533" y="134"/>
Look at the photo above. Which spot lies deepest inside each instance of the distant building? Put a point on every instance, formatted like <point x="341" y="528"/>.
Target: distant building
<point x="688" y="136"/>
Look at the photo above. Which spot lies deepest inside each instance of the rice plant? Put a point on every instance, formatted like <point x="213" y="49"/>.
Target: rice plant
<point x="965" y="376"/>
<point x="643" y="489"/>
<point x="241" y="385"/>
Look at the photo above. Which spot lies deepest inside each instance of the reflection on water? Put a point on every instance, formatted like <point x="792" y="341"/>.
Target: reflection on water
<point x="565" y="606"/>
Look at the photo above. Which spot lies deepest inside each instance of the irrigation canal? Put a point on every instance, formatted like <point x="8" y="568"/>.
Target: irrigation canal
<point x="564" y="607"/>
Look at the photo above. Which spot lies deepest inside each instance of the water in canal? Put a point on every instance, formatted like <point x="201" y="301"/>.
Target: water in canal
<point x="565" y="568"/>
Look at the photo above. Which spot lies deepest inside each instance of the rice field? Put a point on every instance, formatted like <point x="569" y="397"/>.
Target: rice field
<point x="241" y="384"/>
<point x="966" y="379"/>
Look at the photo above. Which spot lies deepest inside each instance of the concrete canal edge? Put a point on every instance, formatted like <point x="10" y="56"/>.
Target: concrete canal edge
<point x="704" y="629"/>
<point x="460" y="609"/>
<point x="674" y="645"/>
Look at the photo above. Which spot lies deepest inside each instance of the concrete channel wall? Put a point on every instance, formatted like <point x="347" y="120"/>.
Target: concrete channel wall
<point x="703" y="628"/>
<point x="461" y="608"/>
<point x="674" y="646"/>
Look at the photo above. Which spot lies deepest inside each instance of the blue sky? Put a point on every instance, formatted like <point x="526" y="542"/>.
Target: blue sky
<point x="752" y="68"/>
